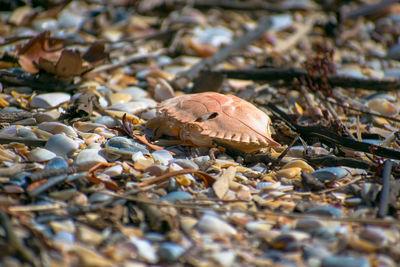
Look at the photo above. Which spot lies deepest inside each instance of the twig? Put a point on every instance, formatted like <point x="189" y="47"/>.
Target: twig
<point x="384" y="200"/>
<point x="366" y="10"/>
<point x="42" y="174"/>
<point x="245" y="5"/>
<point x="26" y="141"/>
<point x="288" y="74"/>
<point x="128" y="60"/>
<point x="183" y="78"/>
<point x="47" y="185"/>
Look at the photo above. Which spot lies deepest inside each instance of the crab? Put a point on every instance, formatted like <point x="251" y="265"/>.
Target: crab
<point x="200" y="119"/>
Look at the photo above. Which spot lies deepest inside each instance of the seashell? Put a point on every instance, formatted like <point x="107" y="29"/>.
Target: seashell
<point x="289" y="173"/>
<point x="383" y="107"/>
<point x="299" y="164"/>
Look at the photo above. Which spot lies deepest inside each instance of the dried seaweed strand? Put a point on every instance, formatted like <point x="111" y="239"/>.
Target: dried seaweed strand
<point x="329" y="137"/>
<point x="288" y="74"/>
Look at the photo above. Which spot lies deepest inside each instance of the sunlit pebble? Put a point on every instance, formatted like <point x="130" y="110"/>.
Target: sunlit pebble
<point x="300" y="164"/>
<point x="145" y="249"/>
<point x="383" y="107"/>
<point x="79" y="199"/>
<point x="61" y="145"/>
<point x="89" y="235"/>
<point x="212" y="224"/>
<point x="49" y="100"/>
<point x="118" y="98"/>
<point x="224" y="257"/>
<point x="114" y="170"/>
<point x="135" y="92"/>
<point x="40" y="154"/>
<point x="162" y="157"/>
<point x="88" y="158"/>
<point x="330" y="173"/>
<point x="56" y="128"/>
<point x="174" y="196"/>
<point x="290" y="173"/>
<point x="45" y="25"/>
<point x="131" y="107"/>
<point x="124" y="146"/>
<point x="169" y="251"/>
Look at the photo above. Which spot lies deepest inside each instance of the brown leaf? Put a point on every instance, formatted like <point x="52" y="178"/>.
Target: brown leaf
<point x="40" y="47"/>
<point x="95" y="54"/>
<point x="221" y="185"/>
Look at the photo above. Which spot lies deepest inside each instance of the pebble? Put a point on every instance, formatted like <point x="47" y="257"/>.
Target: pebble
<point x="57" y="163"/>
<point x="87" y="158"/>
<point x="99" y="197"/>
<point x="212" y="224"/>
<point x="124" y="146"/>
<point x="49" y="100"/>
<point x="107" y="121"/>
<point x="113" y="170"/>
<point x="118" y="98"/>
<point x="174" y="196"/>
<point x="224" y="257"/>
<point x="26" y="133"/>
<point x="41" y="154"/>
<point x="186" y="164"/>
<point x="145" y="249"/>
<point x="169" y="251"/>
<point x="136" y="93"/>
<point x="330" y="173"/>
<point x="325" y="211"/>
<point x="89" y="235"/>
<point x="341" y="261"/>
<point x="57" y="128"/>
<point x="61" y="145"/>
<point x="130" y="107"/>
<point x="162" y="157"/>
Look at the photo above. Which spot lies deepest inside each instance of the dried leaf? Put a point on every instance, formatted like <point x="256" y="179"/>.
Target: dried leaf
<point x="221" y="185"/>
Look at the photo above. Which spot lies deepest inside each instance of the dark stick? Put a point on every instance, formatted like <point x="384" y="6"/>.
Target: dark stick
<point x="366" y="10"/>
<point x="47" y="185"/>
<point x="26" y="141"/>
<point x="331" y="138"/>
<point x="183" y="78"/>
<point x="288" y="74"/>
<point x="245" y="5"/>
<point x="384" y="200"/>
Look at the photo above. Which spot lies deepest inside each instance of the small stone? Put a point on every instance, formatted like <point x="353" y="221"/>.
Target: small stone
<point x="61" y="145"/>
<point x="212" y="224"/>
<point x="49" y="100"/>
<point x="224" y="257"/>
<point x="162" y="157"/>
<point x="87" y="158"/>
<point x="169" y="251"/>
<point x="325" y="211"/>
<point x="130" y="107"/>
<point x="89" y="235"/>
<point x="41" y="154"/>
<point x="113" y="170"/>
<point x="186" y="164"/>
<point x="330" y="173"/>
<point x="118" y="98"/>
<point x="341" y="261"/>
<point x="57" y="163"/>
<point x="124" y="146"/>
<point x="176" y="195"/>
<point x="136" y="93"/>
<point x="57" y="128"/>
<point x="145" y="249"/>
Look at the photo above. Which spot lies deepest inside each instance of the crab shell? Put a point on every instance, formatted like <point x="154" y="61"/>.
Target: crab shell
<point x="204" y="117"/>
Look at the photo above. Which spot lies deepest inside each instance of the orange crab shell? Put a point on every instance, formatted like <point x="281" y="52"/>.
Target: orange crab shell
<point x="204" y="117"/>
